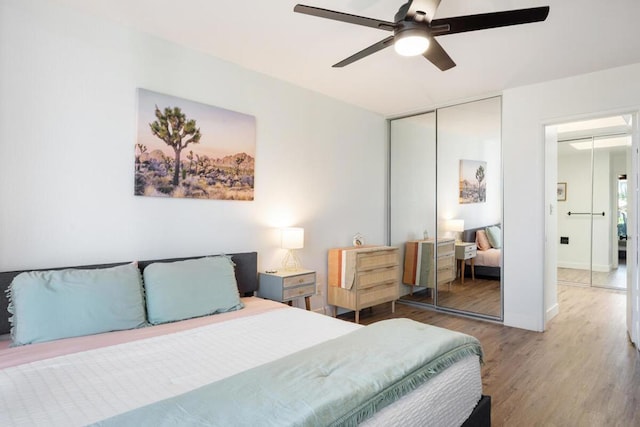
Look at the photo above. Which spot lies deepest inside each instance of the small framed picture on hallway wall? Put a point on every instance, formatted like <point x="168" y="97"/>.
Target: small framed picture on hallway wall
<point x="562" y="191"/>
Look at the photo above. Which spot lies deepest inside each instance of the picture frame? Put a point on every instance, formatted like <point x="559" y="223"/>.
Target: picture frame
<point x="472" y="184"/>
<point x="187" y="149"/>
<point x="562" y="191"/>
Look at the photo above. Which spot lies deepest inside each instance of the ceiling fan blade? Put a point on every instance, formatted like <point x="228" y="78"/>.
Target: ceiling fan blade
<point x="427" y="7"/>
<point x="366" y="52"/>
<point x="438" y="56"/>
<point x="344" y="17"/>
<point x="483" y="21"/>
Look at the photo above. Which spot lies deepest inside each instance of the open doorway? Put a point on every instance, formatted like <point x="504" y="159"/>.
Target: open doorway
<point x="592" y="161"/>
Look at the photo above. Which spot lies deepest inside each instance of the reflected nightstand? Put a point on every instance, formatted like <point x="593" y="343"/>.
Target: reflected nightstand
<point x="466" y="251"/>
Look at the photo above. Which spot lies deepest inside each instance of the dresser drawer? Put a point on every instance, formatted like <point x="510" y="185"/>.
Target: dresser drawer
<point x="373" y="260"/>
<point x="378" y="294"/>
<point x="446" y="274"/>
<point x="370" y="278"/>
<point x="303" y="279"/>
<point x="446" y="248"/>
<point x="374" y="272"/>
<point x="446" y="263"/>
<point x="298" y="291"/>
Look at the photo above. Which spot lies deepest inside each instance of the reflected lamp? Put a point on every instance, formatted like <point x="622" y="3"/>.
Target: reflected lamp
<point x="456" y="226"/>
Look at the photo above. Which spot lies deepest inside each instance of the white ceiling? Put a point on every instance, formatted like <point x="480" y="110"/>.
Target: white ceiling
<point x="579" y="36"/>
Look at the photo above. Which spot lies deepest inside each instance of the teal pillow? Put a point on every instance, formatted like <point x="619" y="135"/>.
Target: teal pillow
<point x="49" y="305"/>
<point x="190" y="288"/>
<point x="494" y="234"/>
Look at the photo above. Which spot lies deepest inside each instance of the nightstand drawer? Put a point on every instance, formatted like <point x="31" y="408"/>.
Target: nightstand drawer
<point x="285" y="286"/>
<point x="303" y="279"/>
<point x="299" y="291"/>
<point x="466" y="251"/>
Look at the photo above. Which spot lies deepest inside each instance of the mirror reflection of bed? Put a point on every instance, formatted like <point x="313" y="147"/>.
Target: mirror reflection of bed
<point x="479" y="291"/>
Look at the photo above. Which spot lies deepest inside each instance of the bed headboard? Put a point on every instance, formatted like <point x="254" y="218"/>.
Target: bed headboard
<point x="470" y="234"/>
<point x="246" y="276"/>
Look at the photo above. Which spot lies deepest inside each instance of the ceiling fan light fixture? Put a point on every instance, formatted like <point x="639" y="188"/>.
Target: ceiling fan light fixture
<point x="411" y="43"/>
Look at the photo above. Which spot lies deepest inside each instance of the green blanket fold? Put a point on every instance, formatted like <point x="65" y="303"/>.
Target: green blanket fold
<point x="337" y="383"/>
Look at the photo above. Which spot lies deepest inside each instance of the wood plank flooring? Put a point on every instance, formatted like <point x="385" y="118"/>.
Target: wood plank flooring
<point x="616" y="278"/>
<point x="476" y="296"/>
<point x="582" y="371"/>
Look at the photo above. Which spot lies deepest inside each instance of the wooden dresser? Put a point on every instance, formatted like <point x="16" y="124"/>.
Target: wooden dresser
<point x="363" y="276"/>
<point x="419" y="258"/>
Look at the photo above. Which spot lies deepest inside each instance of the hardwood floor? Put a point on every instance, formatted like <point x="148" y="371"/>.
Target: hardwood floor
<point x="477" y="296"/>
<point x="616" y="278"/>
<point x="582" y="371"/>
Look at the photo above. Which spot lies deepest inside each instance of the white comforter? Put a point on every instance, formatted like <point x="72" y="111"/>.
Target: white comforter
<point x="87" y="386"/>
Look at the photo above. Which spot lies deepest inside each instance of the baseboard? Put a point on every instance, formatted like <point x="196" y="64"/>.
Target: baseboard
<point x="551" y="313"/>
<point x="603" y="268"/>
<point x="573" y="265"/>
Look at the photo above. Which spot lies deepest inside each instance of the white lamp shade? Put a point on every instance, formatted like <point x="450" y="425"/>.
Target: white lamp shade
<point x="293" y="238"/>
<point x="455" y="225"/>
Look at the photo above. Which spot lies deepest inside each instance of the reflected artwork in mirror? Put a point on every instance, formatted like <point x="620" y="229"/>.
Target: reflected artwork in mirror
<point x="445" y="207"/>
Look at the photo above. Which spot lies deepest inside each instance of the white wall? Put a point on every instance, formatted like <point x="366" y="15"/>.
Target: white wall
<point x="67" y="134"/>
<point x="525" y="112"/>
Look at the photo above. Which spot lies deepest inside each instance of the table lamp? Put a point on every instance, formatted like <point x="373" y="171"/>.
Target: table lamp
<point x="292" y="238"/>
<point x="457" y="227"/>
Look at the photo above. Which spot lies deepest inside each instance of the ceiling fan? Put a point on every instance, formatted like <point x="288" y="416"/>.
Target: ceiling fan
<point x="414" y="28"/>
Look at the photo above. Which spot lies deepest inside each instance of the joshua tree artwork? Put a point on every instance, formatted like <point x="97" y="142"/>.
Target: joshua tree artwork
<point x="186" y="149"/>
<point x="473" y="185"/>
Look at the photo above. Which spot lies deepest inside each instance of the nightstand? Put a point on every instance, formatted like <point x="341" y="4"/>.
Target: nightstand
<point x="285" y="286"/>
<point x="466" y="251"/>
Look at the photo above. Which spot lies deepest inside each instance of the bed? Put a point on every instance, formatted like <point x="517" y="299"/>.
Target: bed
<point x="211" y="369"/>
<point x="488" y="258"/>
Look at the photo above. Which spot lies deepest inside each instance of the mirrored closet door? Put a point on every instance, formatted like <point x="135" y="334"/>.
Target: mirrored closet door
<point x="445" y="207"/>
<point x="592" y="208"/>
<point x="413" y="203"/>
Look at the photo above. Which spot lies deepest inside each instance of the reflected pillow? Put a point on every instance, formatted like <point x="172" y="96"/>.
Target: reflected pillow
<point x="55" y="304"/>
<point x="190" y="288"/>
<point x="494" y="234"/>
<point x="482" y="242"/>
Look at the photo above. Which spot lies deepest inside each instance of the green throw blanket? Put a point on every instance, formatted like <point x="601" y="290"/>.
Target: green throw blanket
<point x="336" y="383"/>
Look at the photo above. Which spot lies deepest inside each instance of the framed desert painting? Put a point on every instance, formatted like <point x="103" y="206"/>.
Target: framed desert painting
<point x="473" y="186"/>
<point x="187" y="149"/>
